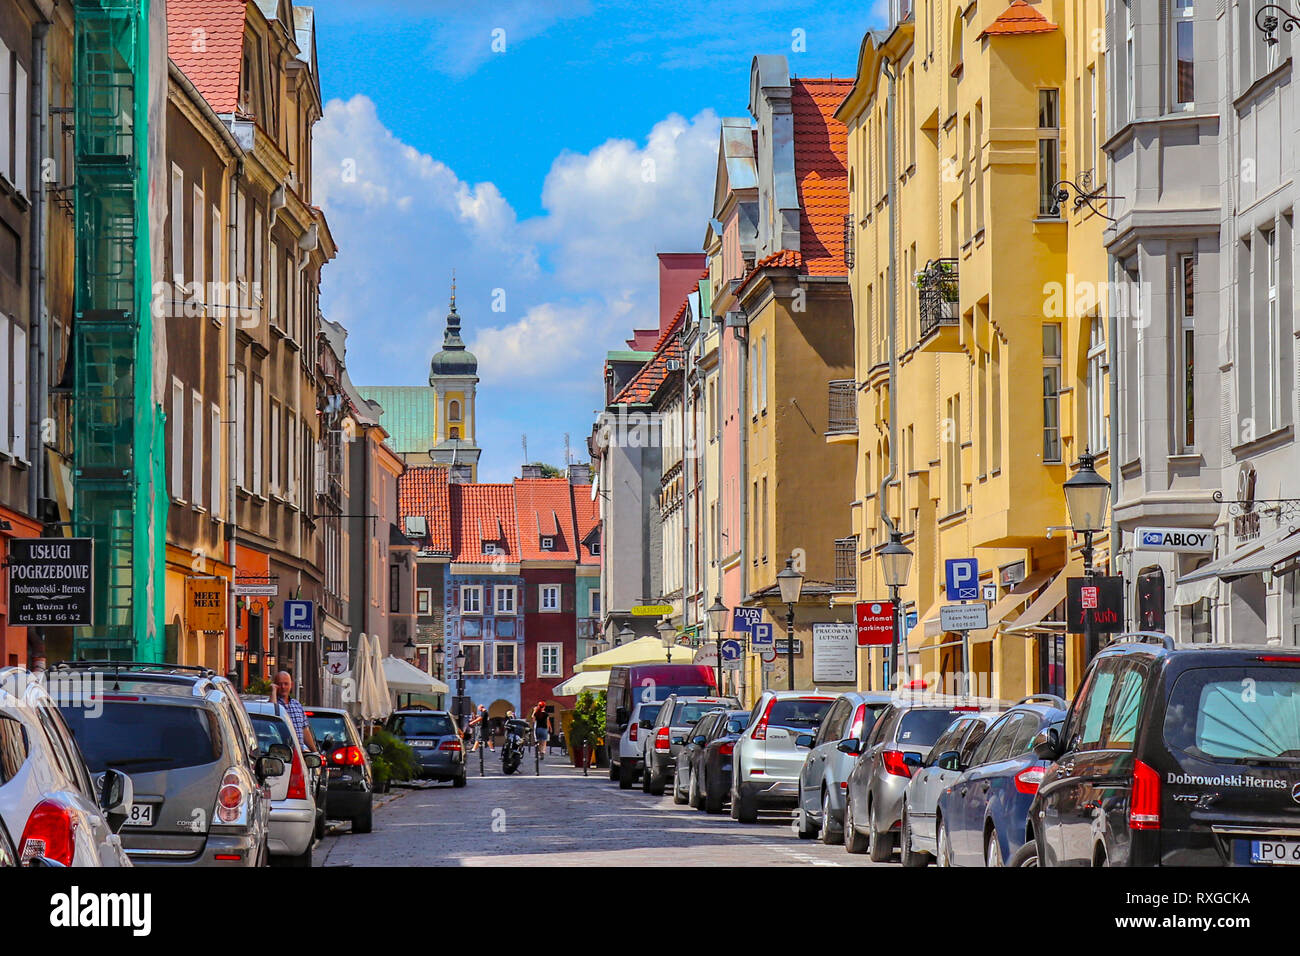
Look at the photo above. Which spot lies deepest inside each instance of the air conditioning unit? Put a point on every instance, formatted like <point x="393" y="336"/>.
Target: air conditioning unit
<point x="674" y="365"/>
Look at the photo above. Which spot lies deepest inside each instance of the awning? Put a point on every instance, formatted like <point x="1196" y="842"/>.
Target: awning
<point x="1011" y="602"/>
<point x="1203" y="590"/>
<point x="405" y="678"/>
<point x="644" y="650"/>
<point x="1032" y="620"/>
<point x="927" y="626"/>
<point x="1253" y="557"/>
<point x="594" y="681"/>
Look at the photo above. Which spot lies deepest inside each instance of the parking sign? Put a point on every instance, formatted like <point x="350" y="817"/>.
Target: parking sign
<point x="963" y="579"/>
<point x="299" y="622"/>
<point x="761" y="635"/>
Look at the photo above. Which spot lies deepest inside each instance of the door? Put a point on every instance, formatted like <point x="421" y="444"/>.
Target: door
<point x="815" y="763"/>
<point x="923" y="792"/>
<point x="975" y="787"/>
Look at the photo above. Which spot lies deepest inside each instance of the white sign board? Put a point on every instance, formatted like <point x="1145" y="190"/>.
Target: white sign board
<point x="1177" y="540"/>
<point x="336" y="663"/>
<point x="256" y="590"/>
<point x="835" y="653"/>
<point x="731" y="665"/>
<point x="768" y="668"/>
<point x="964" y="617"/>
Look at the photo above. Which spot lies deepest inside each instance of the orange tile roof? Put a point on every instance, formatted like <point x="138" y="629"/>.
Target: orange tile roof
<point x="205" y="38"/>
<point x="781" y="259"/>
<point x="587" y="514"/>
<point x="641" y="388"/>
<point x="478" y="511"/>
<point x="544" y="506"/>
<point x="821" y="172"/>
<point x="422" y="492"/>
<point x="1018" y="19"/>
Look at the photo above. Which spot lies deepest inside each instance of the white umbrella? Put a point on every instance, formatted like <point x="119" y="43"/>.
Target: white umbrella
<point x="406" y="678"/>
<point x="382" y="702"/>
<point x="360" y="663"/>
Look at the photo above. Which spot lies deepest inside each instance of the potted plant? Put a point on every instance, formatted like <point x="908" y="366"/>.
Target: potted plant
<point x="395" y="761"/>
<point x="588" y="727"/>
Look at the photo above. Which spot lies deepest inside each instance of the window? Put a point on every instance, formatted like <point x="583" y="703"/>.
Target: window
<point x="995" y="403"/>
<point x="548" y="544"/>
<point x="1049" y="151"/>
<point x="178" y="440"/>
<point x="217" y="296"/>
<point x="1098" y="420"/>
<point x="1272" y="271"/>
<point x="241" y="430"/>
<point x="1051" y="392"/>
<point x="504" y="596"/>
<point x="762" y="372"/>
<point x="394" y="588"/>
<point x="453" y="411"/>
<point x="178" y="231"/>
<point x="471" y="599"/>
<point x="1184" y="54"/>
<point x="1094" y="708"/>
<point x="19" y="379"/>
<point x="489" y="547"/>
<point x="473" y="657"/>
<point x="1130" y="87"/>
<point x="1186" y="298"/>
<point x="257" y="438"/>
<point x="275" y="446"/>
<point x="953" y="428"/>
<point x="549" y="660"/>
<point x="1125" y="710"/>
<point x="197" y="231"/>
<point x="595" y="604"/>
<point x="550" y="597"/>
<point x="214" y="466"/>
<point x="505" y="658"/>
<point x="424" y="601"/>
<point x="196" y="448"/>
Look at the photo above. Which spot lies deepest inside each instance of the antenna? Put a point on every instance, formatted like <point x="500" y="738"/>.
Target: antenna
<point x="523" y="441"/>
<point x="567" y="459"/>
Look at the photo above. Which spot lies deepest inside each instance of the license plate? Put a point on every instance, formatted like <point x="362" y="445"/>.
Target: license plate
<point x="421" y="744"/>
<point x="141" y="815"/>
<point x="1285" y="852"/>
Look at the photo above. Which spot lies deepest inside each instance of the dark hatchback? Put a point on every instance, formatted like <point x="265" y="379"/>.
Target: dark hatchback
<point x="436" y="740"/>
<point x="351" y="786"/>
<point x="1176" y="755"/>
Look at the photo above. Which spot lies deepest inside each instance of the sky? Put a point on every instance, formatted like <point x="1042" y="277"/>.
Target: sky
<point x="546" y="151"/>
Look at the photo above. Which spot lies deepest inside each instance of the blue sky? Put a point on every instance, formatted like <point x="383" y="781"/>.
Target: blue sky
<point x="526" y="170"/>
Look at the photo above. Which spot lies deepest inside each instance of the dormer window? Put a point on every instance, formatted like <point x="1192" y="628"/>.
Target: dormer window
<point x="489" y="547"/>
<point x="548" y="544"/>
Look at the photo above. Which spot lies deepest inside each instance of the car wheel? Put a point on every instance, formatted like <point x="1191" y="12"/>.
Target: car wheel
<point x="365" y="822"/>
<point x="880" y="846"/>
<point x="712" y="801"/>
<point x="944" y="857"/>
<point x="803" y="826"/>
<point x="854" y="841"/>
<point x="745" y="807"/>
<point x="1099" y="857"/>
<point x="613" y="770"/>
<point x="458" y="781"/>
<point x="679" y="798"/>
<point x="693" y="793"/>
<point x="1027" y="855"/>
<point x="303" y="859"/>
<point x="992" y="849"/>
<point x="909" y="856"/>
<point x="830" y="834"/>
<point x="646" y="773"/>
<point x="626" y="774"/>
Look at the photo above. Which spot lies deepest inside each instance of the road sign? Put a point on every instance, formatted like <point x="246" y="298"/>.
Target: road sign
<point x="990" y="592"/>
<point x="652" y="610"/>
<point x="783" y="645"/>
<point x="743" y="619"/>
<point x="299" y="622"/>
<point x="761" y="635"/>
<point x="964" y="617"/>
<point x="768" y="655"/>
<point x="256" y="590"/>
<point x="731" y="650"/>
<point x="731" y="665"/>
<point x="910" y="619"/>
<point x="769" y="667"/>
<point x="51" y="581"/>
<point x="1177" y="540"/>
<point x="875" y="623"/>
<point x="962" y="576"/>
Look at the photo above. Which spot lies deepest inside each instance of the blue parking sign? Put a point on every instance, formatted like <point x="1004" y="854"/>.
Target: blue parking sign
<point x="761" y="636"/>
<point x="299" y="621"/>
<point x="962" y="578"/>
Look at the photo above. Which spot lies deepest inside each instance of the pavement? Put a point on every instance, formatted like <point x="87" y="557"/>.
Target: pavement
<point x="562" y="818"/>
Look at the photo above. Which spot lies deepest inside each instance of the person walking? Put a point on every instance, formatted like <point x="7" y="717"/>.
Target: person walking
<point x="541" y="727"/>
<point x="483" y="736"/>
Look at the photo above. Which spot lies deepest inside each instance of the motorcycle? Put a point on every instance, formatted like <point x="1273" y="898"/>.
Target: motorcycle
<point x="512" y="753"/>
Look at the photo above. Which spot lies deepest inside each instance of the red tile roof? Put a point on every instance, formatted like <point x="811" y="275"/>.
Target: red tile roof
<point x="1018" y="19"/>
<point x="641" y="388"/>
<point x="483" y="513"/>
<point x="821" y="172"/>
<point x="205" y="38"/>
<point x="587" y="513"/>
<point x="544" y="506"/>
<point x="781" y="259"/>
<point x="422" y="492"/>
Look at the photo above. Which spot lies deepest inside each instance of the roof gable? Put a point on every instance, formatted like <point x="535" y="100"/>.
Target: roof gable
<point x="205" y="38"/>
<point x="1017" y="20"/>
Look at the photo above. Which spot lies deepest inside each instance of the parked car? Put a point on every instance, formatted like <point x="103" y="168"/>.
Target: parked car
<point x="982" y="817"/>
<point x="1174" y="755"/>
<point x="917" y="845"/>
<point x="902" y="736"/>
<point x="293" y="798"/>
<point x="627" y="746"/>
<point x="767" y="759"/>
<point x="708" y="765"/>
<point x="351" y="783"/>
<point x="47" y="794"/>
<point x="434" y="735"/>
<point x="194" y="760"/>
<point x="826" y="766"/>
<point x="633" y="685"/>
<point x="668" y="734"/>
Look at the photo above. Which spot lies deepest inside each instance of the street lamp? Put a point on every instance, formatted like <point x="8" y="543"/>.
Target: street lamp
<point x="895" y="566"/>
<point x="1087" y="496"/>
<point x="668" y="635"/>
<point x="1266" y="21"/>
<point x="625" y="636"/>
<point x="790" y="582"/>
<point x="460" y="683"/>
<point x="408" y="649"/>
<point x="717" y="615"/>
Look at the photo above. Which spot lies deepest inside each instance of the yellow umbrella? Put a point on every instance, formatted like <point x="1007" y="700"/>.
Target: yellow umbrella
<point x="645" y="650"/>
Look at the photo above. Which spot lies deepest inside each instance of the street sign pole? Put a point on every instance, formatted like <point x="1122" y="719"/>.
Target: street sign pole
<point x="965" y="663"/>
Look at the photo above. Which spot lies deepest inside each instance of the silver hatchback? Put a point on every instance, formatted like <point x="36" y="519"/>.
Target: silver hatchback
<point x="767" y="758"/>
<point x="825" y="773"/>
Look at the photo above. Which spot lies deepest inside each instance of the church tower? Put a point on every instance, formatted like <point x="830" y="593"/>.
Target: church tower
<point x="453" y="374"/>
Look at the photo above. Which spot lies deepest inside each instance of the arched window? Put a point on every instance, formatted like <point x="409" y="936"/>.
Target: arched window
<point x="955" y="60"/>
<point x="453" y="411"/>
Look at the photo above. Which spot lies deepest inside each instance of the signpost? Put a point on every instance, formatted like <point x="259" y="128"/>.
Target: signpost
<point x="835" y="655"/>
<point x="762" y="636"/>
<point x="51" y="581"/>
<point x="298" y="626"/>
<point x="962" y="577"/>
<point x="875" y="623"/>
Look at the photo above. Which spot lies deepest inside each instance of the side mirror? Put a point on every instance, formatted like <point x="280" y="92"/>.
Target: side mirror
<point x="280" y="752"/>
<point x="620" y="715"/>
<point x="1047" y="744"/>
<point x="268" y="767"/>
<point x="116" y="794"/>
<point x="913" y="760"/>
<point x="849" y="746"/>
<point x="312" y="761"/>
<point x="949" y="760"/>
<point x="699" y="740"/>
<point x="374" y="749"/>
<point x="805" y="741"/>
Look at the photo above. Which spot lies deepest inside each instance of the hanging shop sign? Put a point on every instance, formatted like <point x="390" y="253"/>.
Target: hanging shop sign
<point x="205" y="604"/>
<point x="1094" y="602"/>
<point x="51" y="581"/>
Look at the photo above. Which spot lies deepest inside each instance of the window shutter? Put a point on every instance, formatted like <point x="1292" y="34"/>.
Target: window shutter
<point x="320" y="468"/>
<point x="1226" y="428"/>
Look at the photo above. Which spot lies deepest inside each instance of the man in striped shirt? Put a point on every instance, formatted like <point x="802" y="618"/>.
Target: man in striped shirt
<point x="297" y="716"/>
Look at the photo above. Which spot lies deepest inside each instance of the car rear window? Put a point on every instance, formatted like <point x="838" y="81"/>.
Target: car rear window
<point x="13" y="748"/>
<point x="1236" y="714"/>
<point x="921" y="728"/>
<point x="270" y="730"/>
<point x="649" y="712"/>
<point x="688" y="714"/>
<point x="144" y="738"/>
<point x="330" y="730"/>
<point x="422" y="725"/>
<point x="799" y="713"/>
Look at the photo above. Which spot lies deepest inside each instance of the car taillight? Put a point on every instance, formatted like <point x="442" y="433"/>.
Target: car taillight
<point x="347" y="755"/>
<point x="1144" y="800"/>
<point x="727" y="749"/>
<point x="663" y="740"/>
<point x="859" y="715"/>
<point x="631" y="731"/>
<point x="230" y="798"/>
<point x="967" y="708"/>
<point x="50" y="832"/>
<point x="453" y="745"/>
<point x="760" y="732"/>
<point x="895" y="764"/>
<point x="297" y="779"/>
<point x="1029" y="779"/>
<point x="1278" y="659"/>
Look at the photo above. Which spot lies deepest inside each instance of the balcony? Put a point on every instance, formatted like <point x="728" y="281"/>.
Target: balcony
<point x="937" y="290"/>
<point x="846" y="564"/>
<point x="842" y="417"/>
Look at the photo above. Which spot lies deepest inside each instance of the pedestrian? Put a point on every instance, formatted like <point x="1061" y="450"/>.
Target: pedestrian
<point x="483" y="736"/>
<point x="297" y="716"/>
<point x="541" y="727"/>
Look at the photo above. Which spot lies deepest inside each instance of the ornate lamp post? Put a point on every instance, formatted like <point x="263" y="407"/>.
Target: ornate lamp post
<point x="790" y="582"/>
<point x="895" y="567"/>
<point x="717" y="614"/>
<point x="460" y="684"/>
<point x="1087" y="497"/>
<point x="667" y="634"/>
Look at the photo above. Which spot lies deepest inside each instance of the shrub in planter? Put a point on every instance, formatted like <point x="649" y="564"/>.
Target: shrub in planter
<point x="397" y="757"/>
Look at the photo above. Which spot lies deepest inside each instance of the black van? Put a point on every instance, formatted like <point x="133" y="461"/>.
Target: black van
<point x="1175" y="755"/>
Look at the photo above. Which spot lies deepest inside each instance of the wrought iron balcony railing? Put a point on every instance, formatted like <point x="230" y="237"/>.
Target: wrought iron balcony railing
<point x="936" y="288"/>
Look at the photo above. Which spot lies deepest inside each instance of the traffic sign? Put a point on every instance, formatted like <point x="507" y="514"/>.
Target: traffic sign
<point x="298" y="625"/>
<point x="731" y="650"/>
<point x="768" y="655"/>
<point x="783" y="647"/>
<point x="910" y="619"/>
<point x="652" y="610"/>
<point x="964" y="617"/>
<point x="761" y="635"/>
<point x="875" y="623"/>
<point x="962" y="576"/>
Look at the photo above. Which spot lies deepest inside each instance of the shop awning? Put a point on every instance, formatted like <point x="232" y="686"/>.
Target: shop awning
<point x="1032" y="621"/>
<point x="1203" y="590"/>
<point x="594" y="681"/>
<point x="1253" y="557"/>
<point x="927" y="626"/>
<point x="1011" y="602"/>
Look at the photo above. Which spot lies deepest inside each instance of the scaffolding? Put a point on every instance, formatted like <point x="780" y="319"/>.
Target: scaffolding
<point x="119" y="498"/>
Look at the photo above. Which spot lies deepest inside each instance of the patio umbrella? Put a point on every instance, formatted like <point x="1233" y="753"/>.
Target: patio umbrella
<point x="594" y="681"/>
<point x="406" y="678"/>
<point x="379" y="683"/>
<point x="645" y="650"/>
<point x="360" y="661"/>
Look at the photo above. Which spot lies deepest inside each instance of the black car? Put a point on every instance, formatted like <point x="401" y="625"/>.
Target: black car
<point x="350" y="795"/>
<point x="709" y="783"/>
<point x="694" y="741"/>
<point x="1175" y="755"/>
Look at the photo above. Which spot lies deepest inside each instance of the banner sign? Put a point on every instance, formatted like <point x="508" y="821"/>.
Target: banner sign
<point x="51" y="582"/>
<point x="205" y="604"/>
<point x="1097" y="601"/>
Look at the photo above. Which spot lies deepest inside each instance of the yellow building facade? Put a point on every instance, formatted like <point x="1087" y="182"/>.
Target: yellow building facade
<point x="962" y="122"/>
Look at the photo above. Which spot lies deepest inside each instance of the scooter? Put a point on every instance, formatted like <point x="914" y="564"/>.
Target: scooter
<point x="512" y="753"/>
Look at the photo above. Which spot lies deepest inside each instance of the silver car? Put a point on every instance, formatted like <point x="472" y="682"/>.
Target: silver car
<point x="917" y="839"/>
<point x="767" y="759"/>
<point x="667" y="736"/>
<point x="293" y="800"/>
<point x="825" y="772"/>
<point x="896" y="748"/>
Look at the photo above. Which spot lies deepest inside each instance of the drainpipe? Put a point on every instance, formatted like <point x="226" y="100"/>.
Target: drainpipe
<point x="38" y="364"/>
<point x="891" y="283"/>
<point x="742" y="379"/>
<point x="1112" y="388"/>
<point x="232" y="412"/>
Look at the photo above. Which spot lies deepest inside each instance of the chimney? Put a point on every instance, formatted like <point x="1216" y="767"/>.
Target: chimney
<point x="530" y="471"/>
<point x="580" y="474"/>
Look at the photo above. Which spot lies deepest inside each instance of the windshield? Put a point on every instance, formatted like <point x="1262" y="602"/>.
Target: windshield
<point x="422" y="725"/>
<point x="921" y="728"/>
<point x="686" y="715"/>
<point x="799" y="713"/>
<point x="1238" y="714"/>
<point x="144" y="738"/>
<point x="330" y="730"/>
<point x="270" y="730"/>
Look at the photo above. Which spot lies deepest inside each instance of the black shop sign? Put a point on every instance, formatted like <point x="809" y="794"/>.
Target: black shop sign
<point x="1096" y="602"/>
<point x="51" y="582"/>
